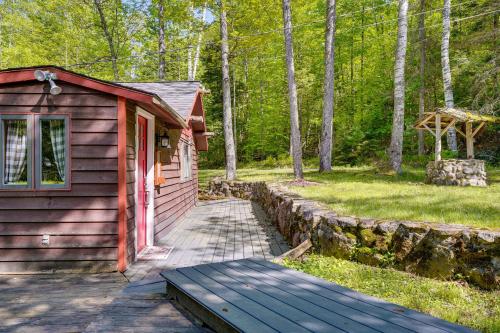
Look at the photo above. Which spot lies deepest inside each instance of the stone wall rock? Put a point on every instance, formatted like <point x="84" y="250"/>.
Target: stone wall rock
<point x="433" y="250"/>
<point x="457" y="172"/>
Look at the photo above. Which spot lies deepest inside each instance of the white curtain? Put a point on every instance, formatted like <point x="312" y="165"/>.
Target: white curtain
<point x="15" y="150"/>
<point x="58" y="138"/>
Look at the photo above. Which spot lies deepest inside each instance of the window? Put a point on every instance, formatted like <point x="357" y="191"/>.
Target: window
<point x="48" y="147"/>
<point x="186" y="161"/>
<point x="52" y="140"/>
<point x="15" y="134"/>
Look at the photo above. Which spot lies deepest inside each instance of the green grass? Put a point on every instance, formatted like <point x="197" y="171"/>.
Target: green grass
<point x="364" y="192"/>
<point x="447" y="300"/>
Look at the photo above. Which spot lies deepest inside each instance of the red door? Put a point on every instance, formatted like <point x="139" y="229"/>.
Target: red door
<point x="141" y="182"/>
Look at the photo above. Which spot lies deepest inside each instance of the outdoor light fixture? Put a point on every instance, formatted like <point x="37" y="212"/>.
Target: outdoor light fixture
<point x="48" y="76"/>
<point x="164" y="141"/>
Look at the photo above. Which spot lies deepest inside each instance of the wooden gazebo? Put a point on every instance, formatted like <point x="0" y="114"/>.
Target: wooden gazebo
<point x="441" y="120"/>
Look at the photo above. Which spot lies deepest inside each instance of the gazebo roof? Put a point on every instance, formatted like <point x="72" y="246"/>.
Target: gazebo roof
<point x="467" y="115"/>
<point x="452" y="115"/>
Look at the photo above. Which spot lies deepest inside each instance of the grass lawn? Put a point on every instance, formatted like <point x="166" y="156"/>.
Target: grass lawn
<point x="363" y="192"/>
<point x="447" y="300"/>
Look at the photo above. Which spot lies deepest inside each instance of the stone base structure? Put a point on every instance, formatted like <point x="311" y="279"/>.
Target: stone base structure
<point x="427" y="249"/>
<point x="456" y="172"/>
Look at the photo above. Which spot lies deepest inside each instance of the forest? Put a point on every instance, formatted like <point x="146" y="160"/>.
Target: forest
<point x="151" y="40"/>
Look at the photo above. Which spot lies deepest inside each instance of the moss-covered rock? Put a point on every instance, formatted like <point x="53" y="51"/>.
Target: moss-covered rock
<point x="368" y="256"/>
<point x="383" y="242"/>
<point x="335" y="244"/>
<point x="367" y="237"/>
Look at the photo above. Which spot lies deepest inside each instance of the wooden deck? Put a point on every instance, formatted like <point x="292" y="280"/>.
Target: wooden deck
<point x="136" y="301"/>
<point x="254" y="295"/>
<point x="90" y="303"/>
<point x="223" y="230"/>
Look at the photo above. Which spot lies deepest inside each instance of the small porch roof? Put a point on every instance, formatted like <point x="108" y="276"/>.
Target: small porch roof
<point x="185" y="97"/>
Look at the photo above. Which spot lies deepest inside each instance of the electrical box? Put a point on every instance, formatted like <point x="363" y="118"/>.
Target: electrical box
<point x="46" y="240"/>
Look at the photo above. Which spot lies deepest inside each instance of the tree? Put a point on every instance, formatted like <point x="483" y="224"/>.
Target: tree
<point x="198" y="44"/>
<point x="161" y="40"/>
<point x="396" y="147"/>
<point x="325" y="150"/>
<point x="421" y="92"/>
<point x="226" y="88"/>
<point x="109" y="37"/>
<point x="445" y="64"/>
<point x="292" y="93"/>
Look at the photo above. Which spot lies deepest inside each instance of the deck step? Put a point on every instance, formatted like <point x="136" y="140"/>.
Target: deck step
<point x="254" y="295"/>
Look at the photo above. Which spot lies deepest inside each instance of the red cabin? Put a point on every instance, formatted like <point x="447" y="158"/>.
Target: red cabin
<point x="94" y="172"/>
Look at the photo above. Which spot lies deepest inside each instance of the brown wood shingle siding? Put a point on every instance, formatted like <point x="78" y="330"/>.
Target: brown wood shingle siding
<point x="174" y="198"/>
<point x="131" y="182"/>
<point x="81" y="222"/>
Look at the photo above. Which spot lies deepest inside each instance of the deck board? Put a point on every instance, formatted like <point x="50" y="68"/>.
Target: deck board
<point x="216" y="304"/>
<point x="424" y="323"/>
<point x="222" y="230"/>
<point x="263" y="297"/>
<point x="271" y="297"/>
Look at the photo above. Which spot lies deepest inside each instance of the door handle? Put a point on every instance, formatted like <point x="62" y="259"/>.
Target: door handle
<point x="146" y="198"/>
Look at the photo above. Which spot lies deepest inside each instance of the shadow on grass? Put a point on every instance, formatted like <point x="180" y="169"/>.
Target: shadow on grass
<point x="364" y="191"/>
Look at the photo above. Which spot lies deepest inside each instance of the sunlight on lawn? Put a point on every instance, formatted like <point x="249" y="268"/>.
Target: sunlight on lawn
<point x="363" y="192"/>
<point x="447" y="300"/>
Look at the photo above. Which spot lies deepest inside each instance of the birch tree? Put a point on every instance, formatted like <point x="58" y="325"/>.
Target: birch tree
<point x="292" y="93"/>
<point x="198" y="44"/>
<point x="421" y="92"/>
<point x="325" y="149"/>
<point x="98" y="4"/>
<point x="396" y="147"/>
<point x="445" y="64"/>
<point x="161" y="40"/>
<point x="193" y="62"/>
<point x="226" y="92"/>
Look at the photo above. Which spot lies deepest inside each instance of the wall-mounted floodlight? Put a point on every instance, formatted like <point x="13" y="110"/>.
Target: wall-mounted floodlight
<point x="48" y="76"/>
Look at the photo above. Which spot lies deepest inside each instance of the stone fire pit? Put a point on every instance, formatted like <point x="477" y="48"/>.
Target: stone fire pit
<point x="456" y="172"/>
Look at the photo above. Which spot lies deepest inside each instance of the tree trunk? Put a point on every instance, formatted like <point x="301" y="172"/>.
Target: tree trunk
<point x="362" y="71"/>
<point x="495" y="48"/>
<point x="292" y="93"/>
<point x="198" y="45"/>
<point x="190" y="63"/>
<point x="421" y="92"/>
<point x="396" y="147"/>
<point x="325" y="150"/>
<point x="109" y="38"/>
<point x="235" y="115"/>
<point x="161" y="40"/>
<point x="445" y="64"/>
<point x="226" y="90"/>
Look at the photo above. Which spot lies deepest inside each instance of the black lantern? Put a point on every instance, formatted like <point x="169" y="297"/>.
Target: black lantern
<point x="164" y="141"/>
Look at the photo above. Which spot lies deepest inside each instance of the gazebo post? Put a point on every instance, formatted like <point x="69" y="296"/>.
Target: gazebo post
<point x="438" y="138"/>
<point x="469" y="139"/>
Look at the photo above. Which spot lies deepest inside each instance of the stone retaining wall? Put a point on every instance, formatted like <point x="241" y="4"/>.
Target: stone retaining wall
<point x="427" y="249"/>
<point x="456" y="172"/>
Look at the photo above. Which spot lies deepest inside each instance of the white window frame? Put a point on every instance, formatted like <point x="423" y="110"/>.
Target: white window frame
<point x="186" y="162"/>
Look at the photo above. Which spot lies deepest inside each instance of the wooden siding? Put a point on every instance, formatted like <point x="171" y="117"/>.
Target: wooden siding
<point x="174" y="198"/>
<point x="81" y="222"/>
<point x="131" y="182"/>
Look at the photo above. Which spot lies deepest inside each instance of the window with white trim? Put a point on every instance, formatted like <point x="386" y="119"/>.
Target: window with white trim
<point x="186" y="161"/>
<point x="42" y="139"/>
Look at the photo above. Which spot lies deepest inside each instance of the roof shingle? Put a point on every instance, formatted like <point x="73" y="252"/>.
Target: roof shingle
<point x="179" y="95"/>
